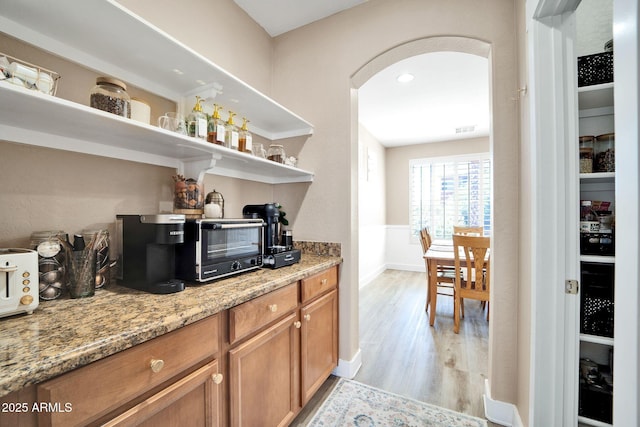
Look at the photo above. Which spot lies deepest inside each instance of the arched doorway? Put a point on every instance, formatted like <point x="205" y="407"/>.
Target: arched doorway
<point x="502" y="151"/>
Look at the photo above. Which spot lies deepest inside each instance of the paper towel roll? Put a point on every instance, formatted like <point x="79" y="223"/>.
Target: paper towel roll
<point x="140" y="111"/>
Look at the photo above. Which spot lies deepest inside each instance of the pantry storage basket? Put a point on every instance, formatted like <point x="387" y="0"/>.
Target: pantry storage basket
<point x="597" y="317"/>
<point x="25" y="74"/>
<point x="595" y="69"/>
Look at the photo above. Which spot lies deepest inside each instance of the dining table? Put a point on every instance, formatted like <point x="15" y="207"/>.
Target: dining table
<point x="439" y="254"/>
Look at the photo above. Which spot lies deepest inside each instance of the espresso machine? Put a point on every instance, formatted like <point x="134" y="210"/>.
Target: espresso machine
<point x="146" y="251"/>
<point x="278" y="244"/>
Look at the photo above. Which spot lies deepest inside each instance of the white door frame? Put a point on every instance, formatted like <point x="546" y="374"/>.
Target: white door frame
<point x="554" y="339"/>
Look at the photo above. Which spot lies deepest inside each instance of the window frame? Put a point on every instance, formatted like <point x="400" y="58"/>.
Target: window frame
<point x="438" y="160"/>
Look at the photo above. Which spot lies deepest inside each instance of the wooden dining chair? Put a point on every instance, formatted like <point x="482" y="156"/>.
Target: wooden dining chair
<point x="445" y="277"/>
<point x="467" y="230"/>
<point x="472" y="279"/>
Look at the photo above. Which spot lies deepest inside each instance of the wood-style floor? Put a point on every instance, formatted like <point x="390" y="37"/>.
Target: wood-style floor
<point x="402" y="354"/>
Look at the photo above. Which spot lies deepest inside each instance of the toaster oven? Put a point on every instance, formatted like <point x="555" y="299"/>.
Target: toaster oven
<point x="19" y="281"/>
<point x="215" y="248"/>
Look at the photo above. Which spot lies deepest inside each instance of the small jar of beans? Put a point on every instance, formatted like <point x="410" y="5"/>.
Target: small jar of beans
<point x="111" y="95"/>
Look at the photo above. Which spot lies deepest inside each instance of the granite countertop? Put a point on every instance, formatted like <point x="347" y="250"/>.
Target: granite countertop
<point x="65" y="334"/>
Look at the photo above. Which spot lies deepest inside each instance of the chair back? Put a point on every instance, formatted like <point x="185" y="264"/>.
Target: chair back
<point x="474" y="281"/>
<point x="425" y="239"/>
<point x="467" y="231"/>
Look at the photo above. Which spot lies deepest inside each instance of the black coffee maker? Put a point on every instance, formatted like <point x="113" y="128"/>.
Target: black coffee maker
<point x="146" y="251"/>
<point x="279" y="250"/>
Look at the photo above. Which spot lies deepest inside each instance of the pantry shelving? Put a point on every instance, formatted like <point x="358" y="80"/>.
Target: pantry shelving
<point x="122" y="44"/>
<point x="596" y="342"/>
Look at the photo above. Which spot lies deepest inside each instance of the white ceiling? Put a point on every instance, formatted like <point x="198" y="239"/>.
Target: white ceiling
<point x="279" y="16"/>
<point x="449" y="90"/>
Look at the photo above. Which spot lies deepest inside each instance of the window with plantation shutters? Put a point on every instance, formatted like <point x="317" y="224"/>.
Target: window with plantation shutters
<point x="450" y="191"/>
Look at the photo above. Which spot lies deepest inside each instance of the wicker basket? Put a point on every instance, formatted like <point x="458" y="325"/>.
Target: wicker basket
<point x="595" y="69"/>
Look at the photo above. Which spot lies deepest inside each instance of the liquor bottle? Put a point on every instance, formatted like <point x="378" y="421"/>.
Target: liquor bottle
<point x="197" y="121"/>
<point x="215" y="127"/>
<point x="231" y="133"/>
<point x="244" y="138"/>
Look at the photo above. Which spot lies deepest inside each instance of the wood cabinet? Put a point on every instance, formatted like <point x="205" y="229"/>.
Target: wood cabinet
<point x="191" y="401"/>
<point x="264" y="377"/>
<point x="108" y="387"/>
<point x="255" y="364"/>
<point x="287" y="360"/>
<point x="319" y="343"/>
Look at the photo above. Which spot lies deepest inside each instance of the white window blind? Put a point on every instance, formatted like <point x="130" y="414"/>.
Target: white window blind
<point x="450" y="191"/>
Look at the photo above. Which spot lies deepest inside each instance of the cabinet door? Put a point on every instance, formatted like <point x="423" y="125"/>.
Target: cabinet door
<point x="190" y="401"/>
<point x="319" y="343"/>
<point x="264" y="377"/>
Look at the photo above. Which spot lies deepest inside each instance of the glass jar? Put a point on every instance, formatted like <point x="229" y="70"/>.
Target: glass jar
<point x="100" y="239"/>
<point x="111" y="95"/>
<point x="604" y="153"/>
<point x="276" y="153"/>
<point x="214" y="205"/>
<point x="52" y="262"/>
<point x="586" y="154"/>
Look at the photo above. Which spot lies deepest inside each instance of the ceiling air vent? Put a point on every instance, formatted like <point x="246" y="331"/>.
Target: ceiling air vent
<point x="465" y="129"/>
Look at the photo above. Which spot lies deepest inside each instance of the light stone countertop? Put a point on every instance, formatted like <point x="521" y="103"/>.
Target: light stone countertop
<point x="65" y="334"/>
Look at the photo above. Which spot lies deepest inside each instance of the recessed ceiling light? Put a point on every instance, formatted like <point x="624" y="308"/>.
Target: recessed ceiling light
<point x="405" y="78"/>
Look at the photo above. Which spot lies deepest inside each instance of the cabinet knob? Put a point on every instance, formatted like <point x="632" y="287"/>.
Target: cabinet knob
<point x="217" y="378"/>
<point x="323" y="281"/>
<point x="297" y="324"/>
<point x="157" y="365"/>
<point x="273" y="308"/>
<point x="307" y="317"/>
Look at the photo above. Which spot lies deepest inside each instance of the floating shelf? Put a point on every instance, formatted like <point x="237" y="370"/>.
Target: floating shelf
<point x="105" y="36"/>
<point x="31" y="117"/>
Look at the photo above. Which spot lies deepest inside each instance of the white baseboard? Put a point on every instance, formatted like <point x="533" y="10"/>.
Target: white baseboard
<point x="349" y="368"/>
<point x="406" y="267"/>
<point x="503" y="413"/>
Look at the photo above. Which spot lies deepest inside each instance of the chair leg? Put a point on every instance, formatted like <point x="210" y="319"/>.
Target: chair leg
<point x="456" y="313"/>
<point x="462" y="307"/>
<point x="426" y="303"/>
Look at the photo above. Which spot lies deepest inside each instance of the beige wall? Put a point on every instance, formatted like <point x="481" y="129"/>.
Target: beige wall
<point x="398" y="170"/>
<point x="319" y="61"/>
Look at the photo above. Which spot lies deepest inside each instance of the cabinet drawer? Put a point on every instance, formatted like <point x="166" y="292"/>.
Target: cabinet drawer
<point x="319" y="284"/>
<point x="101" y="387"/>
<point x="252" y="315"/>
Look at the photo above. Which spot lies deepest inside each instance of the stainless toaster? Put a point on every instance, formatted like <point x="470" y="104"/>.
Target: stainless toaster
<point x="18" y="281"/>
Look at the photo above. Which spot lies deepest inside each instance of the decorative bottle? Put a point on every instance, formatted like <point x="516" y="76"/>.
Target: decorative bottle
<point x="231" y="133"/>
<point x="197" y="121"/>
<point x="244" y="138"/>
<point x="215" y="128"/>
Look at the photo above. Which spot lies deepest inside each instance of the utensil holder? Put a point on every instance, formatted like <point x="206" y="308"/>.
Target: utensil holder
<point x="82" y="273"/>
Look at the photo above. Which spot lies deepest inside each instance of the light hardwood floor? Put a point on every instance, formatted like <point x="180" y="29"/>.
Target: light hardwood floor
<point x="402" y="354"/>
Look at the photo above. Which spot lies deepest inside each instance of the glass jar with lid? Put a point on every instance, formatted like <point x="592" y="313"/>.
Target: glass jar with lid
<point x="276" y="153"/>
<point x="111" y="95"/>
<point x="604" y="153"/>
<point x="586" y="154"/>
<point x="52" y="262"/>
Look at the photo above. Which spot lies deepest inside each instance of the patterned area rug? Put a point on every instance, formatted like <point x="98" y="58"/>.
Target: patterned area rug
<point x="355" y="404"/>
